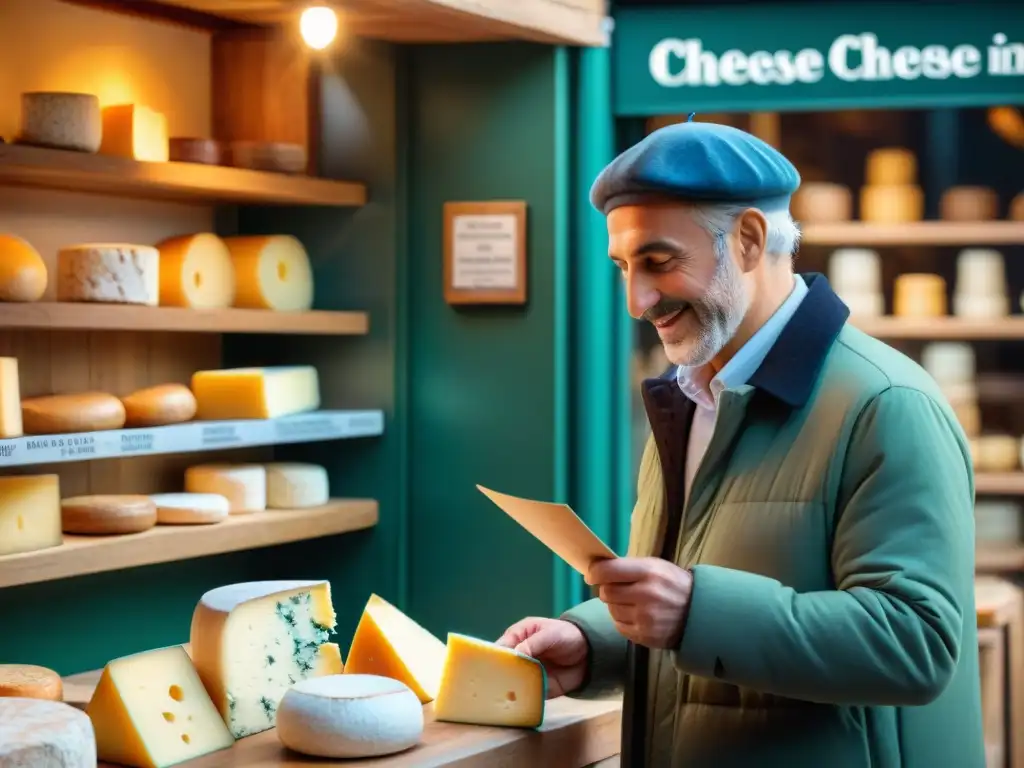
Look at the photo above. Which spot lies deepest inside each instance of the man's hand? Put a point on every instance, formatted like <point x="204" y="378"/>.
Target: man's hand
<point x="559" y="645"/>
<point x="647" y="597"/>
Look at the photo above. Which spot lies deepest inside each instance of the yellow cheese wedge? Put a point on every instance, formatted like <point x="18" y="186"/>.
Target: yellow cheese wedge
<point x="390" y="644"/>
<point x="10" y="398"/>
<point x="29" y="513"/>
<point x="135" y="131"/>
<point x="196" y="272"/>
<point x="487" y="684"/>
<point x="255" y="393"/>
<point x="271" y="272"/>
<point x="22" y="270"/>
<point x="150" y="710"/>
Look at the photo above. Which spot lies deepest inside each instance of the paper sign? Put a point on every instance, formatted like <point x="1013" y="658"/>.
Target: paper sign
<point x="556" y="526"/>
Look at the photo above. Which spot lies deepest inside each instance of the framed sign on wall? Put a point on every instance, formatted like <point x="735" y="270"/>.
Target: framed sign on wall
<point x="485" y="252"/>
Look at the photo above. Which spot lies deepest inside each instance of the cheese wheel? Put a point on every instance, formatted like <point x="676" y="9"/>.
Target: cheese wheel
<point x="244" y="485"/>
<point x="997" y="453"/>
<point x="919" y="295"/>
<point x="28" y="681"/>
<point x="1017" y="208"/>
<point x="998" y="522"/>
<point x="159" y="405"/>
<point x="22" y="270"/>
<point x="822" y="202"/>
<point x="115" y="273"/>
<point x="980" y="307"/>
<point x="61" y="120"/>
<point x="855" y="271"/>
<point x="135" y="131"/>
<point x="949" y="362"/>
<point x="864" y="305"/>
<point x="271" y="272"/>
<point x="295" y="485"/>
<point x="349" y="716"/>
<point x="895" y="204"/>
<point x="969" y="204"/>
<point x="980" y="272"/>
<point x="50" y="734"/>
<point x="891" y="166"/>
<point x="107" y="515"/>
<point x="196" y="272"/>
<point x="83" y="412"/>
<point x="190" y="508"/>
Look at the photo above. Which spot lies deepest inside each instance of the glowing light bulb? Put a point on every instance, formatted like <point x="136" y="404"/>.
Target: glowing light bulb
<point x="318" y="26"/>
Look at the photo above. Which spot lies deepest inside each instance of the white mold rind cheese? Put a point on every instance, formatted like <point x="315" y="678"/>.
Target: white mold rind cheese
<point x="293" y="485"/>
<point x="115" y="273"/>
<point x="44" y="733"/>
<point x="243" y="485"/>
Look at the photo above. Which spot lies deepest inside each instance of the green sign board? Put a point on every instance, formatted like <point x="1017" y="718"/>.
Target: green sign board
<point x="803" y="56"/>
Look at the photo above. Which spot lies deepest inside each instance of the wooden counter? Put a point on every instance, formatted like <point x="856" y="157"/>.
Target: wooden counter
<point x="575" y="734"/>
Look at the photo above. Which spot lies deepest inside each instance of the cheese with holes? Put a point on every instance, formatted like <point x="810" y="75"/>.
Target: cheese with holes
<point x="488" y="684"/>
<point x="256" y="393"/>
<point x="896" y="204"/>
<point x="919" y="295"/>
<point x="293" y="485"/>
<point x="22" y="270"/>
<point x="243" y="485"/>
<point x="29" y="513"/>
<point x="158" y="406"/>
<point x="150" y="710"/>
<point x="196" y="272"/>
<point x="28" y="681"/>
<point x="349" y="716"/>
<point x="10" y="398"/>
<point x="135" y="131"/>
<point x="890" y="166"/>
<point x="112" y="273"/>
<point x="969" y="204"/>
<point x="84" y="412"/>
<point x="390" y="644"/>
<point x="36" y="733"/>
<point x="190" y="508"/>
<point x="253" y="641"/>
<point x="271" y="272"/>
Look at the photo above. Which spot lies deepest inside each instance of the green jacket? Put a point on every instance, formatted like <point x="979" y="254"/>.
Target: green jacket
<point x="830" y="533"/>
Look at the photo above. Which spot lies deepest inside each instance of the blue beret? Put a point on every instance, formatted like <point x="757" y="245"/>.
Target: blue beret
<point x="698" y="162"/>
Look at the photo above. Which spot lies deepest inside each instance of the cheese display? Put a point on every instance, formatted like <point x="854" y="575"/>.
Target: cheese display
<point x="28" y="681"/>
<point x="61" y="120"/>
<point x="997" y="453"/>
<point x="890" y="166"/>
<point x="969" y="204"/>
<point x="30" y="516"/>
<point x="10" y="399"/>
<point x="349" y="716"/>
<point x="952" y="365"/>
<point x="158" y="406"/>
<point x="23" y="273"/>
<point x="135" y="131"/>
<point x="969" y="415"/>
<point x="980" y="290"/>
<point x="107" y="514"/>
<point x="293" y="485"/>
<point x="820" y="203"/>
<point x="250" y="642"/>
<point x="113" y="273"/>
<point x="998" y="522"/>
<point x="196" y="272"/>
<point x="487" y="684"/>
<point x="256" y="393"/>
<point x="855" y="274"/>
<point x="896" y="204"/>
<point x="919" y="295"/>
<point x="150" y="710"/>
<point x="390" y="644"/>
<point x="83" y="412"/>
<point x="190" y="508"/>
<point x="271" y="272"/>
<point x="243" y="485"/>
<point x="50" y="734"/>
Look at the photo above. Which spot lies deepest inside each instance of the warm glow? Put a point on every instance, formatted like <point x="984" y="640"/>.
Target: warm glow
<point x="318" y="25"/>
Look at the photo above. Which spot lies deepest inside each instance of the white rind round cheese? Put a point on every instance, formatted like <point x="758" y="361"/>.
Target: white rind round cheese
<point x="35" y="733"/>
<point x="115" y="273"/>
<point x="61" y="120"/>
<point x="244" y="485"/>
<point x="190" y="508"/>
<point x="349" y="716"/>
<point x="292" y="485"/>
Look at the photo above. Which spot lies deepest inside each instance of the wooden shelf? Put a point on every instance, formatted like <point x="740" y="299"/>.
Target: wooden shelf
<point x="855" y="233"/>
<point x="950" y="328"/>
<point x="116" y="317"/>
<point x="81" y="555"/>
<point x="999" y="483"/>
<point x="996" y="559"/>
<point x="181" y="182"/>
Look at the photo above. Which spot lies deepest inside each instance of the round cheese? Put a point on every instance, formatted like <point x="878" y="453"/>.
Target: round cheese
<point x="271" y="272"/>
<point x="997" y="453"/>
<point x="110" y="273"/>
<point x="160" y="405"/>
<point x="822" y="202"/>
<point x="980" y="272"/>
<point x="855" y="271"/>
<point x="107" y="515"/>
<point x="30" y="682"/>
<point x="969" y="204"/>
<point x="295" y="485"/>
<point x="891" y="166"/>
<point x="50" y="734"/>
<point x="980" y="307"/>
<point x="84" y="412"/>
<point x="891" y="204"/>
<point x="22" y="270"/>
<point x="863" y="305"/>
<point x="346" y="716"/>
<point x="190" y="508"/>
<point x="244" y="485"/>
<point x="998" y="522"/>
<point x="919" y="295"/>
<point x="196" y="272"/>
<point x="949" y="362"/>
<point x="61" y="120"/>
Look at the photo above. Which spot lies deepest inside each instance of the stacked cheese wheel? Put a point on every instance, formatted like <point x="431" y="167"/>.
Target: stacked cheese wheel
<point x="256" y="487"/>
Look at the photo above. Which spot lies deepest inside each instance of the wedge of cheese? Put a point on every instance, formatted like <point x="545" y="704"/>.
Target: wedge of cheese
<point x="30" y="515"/>
<point x="255" y="393"/>
<point x="135" y="131"/>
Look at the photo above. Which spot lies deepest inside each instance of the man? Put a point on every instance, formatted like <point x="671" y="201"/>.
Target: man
<point x="798" y="590"/>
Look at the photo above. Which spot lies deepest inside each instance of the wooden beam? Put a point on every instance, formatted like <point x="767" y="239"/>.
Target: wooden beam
<point x="156" y="11"/>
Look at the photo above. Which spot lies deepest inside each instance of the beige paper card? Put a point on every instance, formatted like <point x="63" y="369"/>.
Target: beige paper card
<point x="556" y="526"/>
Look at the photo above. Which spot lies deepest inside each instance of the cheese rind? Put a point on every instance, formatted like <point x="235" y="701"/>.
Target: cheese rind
<point x="158" y="406"/>
<point x="30" y="518"/>
<point x="22" y="270"/>
<point x="61" y="120"/>
<point x="349" y="716"/>
<point x="36" y="733"/>
<point x="28" y="681"/>
<point x="10" y="398"/>
<point x="135" y="131"/>
<point x="390" y="644"/>
<point x="271" y="272"/>
<point x="250" y="642"/>
<point x="243" y="485"/>
<point x="115" y="273"/>
<point x="196" y="272"/>
<point x="487" y="684"/>
<point x="255" y="393"/>
<point x="83" y="412"/>
<point x="150" y="710"/>
<point x="896" y="204"/>
<point x="190" y="508"/>
<point x="107" y="515"/>
<point x="294" y="485"/>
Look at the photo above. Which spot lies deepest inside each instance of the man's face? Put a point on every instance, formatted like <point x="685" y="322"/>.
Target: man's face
<point x="674" y="279"/>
